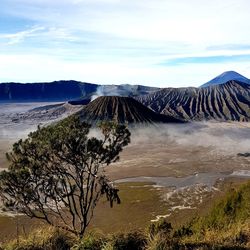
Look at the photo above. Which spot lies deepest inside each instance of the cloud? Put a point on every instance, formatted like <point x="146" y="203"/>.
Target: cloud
<point x="51" y="33"/>
<point x="133" y="37"/>
<point x="26" y="68"/>
<point x="207" y="59"/>
<point x="22" y="35"/>
<point x="230" y="47"/>
<point x="185" y="21"/>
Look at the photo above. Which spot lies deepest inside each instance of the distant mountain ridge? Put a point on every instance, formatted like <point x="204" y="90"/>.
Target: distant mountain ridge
<point x="225" y="77"/>
<point x="65" y="91"/>
<point x="52" y="91"/>
<point x="229" y="101"/>
<point x="224" y="102"/>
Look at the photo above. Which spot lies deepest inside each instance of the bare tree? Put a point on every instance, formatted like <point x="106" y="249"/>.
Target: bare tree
<point x="57" y="173"/>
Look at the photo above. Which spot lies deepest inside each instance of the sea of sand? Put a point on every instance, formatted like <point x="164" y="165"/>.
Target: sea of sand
<point x="203" y="152"/>
<point x="184" y="164"/>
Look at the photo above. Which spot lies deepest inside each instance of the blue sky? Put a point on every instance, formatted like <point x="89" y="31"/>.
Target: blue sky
<point x="151" y="42"/>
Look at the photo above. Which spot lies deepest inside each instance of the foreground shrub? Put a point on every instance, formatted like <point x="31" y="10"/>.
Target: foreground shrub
<point x="43" y="239"/>
<point x="160" y="227"/>
<point x="90" y="242"/>
<point x="162" y="241"/>
<point x="160" y="236"/>
<point x="133" y="240"/>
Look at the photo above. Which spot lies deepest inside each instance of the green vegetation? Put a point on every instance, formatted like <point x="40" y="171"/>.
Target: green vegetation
<point x="57" y="173"/>
<point x="226" y="226"/>
<point x="46" y="238"/>
<point x="227" y="223"/>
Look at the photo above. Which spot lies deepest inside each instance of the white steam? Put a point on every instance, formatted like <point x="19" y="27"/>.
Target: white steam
<point x="115" y="90"/>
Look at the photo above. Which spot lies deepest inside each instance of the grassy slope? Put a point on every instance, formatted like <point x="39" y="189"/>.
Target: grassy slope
<point x="226" y="226"/>
<point x="227" y="223"/>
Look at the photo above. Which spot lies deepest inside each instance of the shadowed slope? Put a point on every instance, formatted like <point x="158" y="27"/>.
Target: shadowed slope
<point x="229" y="101"/>
<point x="121" y="110"/>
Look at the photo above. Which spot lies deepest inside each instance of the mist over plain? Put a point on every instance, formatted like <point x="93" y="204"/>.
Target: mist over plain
<point x="224" y="137"/>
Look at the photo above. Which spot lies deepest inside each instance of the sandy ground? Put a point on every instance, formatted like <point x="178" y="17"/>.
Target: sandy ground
<point x="172" y="151"/>
<point x="13" y="128"/>
<point x="184" y="150"/>
<point x="11" y="131"/>
<point x="167" y="150"/>
<point x="4" y="147"/>
<point x="162" y="151"/>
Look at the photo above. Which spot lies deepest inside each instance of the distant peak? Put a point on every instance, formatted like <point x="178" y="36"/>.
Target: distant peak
<point x="225" y="77"/>
<point x="231" y="73"/>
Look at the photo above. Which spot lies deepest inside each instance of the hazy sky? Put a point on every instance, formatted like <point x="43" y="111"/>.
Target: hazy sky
<point x="151" y="42"/>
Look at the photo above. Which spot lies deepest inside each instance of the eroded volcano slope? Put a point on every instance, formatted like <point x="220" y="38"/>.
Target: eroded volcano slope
<point x="121" y="110"/>
<point x="229" y="101"/>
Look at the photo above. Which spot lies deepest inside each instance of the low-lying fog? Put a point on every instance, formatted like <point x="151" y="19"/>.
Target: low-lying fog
<point x="201" y="153"/>
<point x="11" y="130"/>
<point x="163" y="150"/>
<point x="227" y="138"/>
<point x="183" y="149"/>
